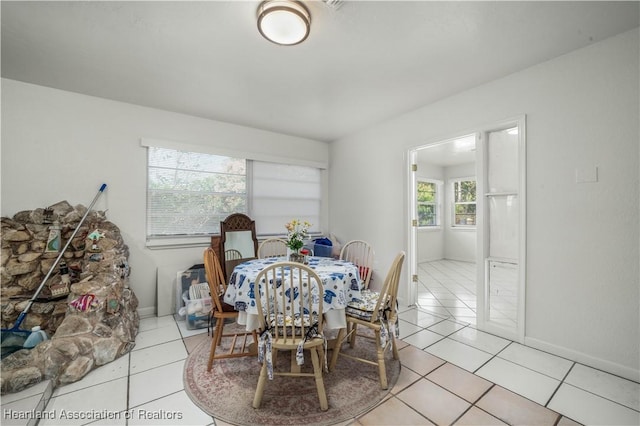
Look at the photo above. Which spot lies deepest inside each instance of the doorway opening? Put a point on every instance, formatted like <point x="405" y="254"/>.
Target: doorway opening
<point x="446" y="228"/>
<point x="467" y="228"/>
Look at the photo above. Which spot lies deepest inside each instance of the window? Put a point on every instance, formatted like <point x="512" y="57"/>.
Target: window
<point x="464" y="202"/>
<point x="427" y="201"/>
<point x="189" y="193"/>
<point x="281" y="192"/>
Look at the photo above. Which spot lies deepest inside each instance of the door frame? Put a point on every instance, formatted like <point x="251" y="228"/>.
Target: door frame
<point x="412" y="226"/>
<point x="481" y="134"/>
<point x="482" y="249"/>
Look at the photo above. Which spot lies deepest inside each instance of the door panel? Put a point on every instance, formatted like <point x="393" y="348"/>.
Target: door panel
<point x="503" y="226"/>
<point x="503" y="293"/>
<point x="501" y="243"/>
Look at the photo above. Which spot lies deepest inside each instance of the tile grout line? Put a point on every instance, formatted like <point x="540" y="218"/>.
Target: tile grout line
<point x="471" y="404"/>
<point x="560" y="384"/>
<point x="493" y="356"/>
<point x="126" y="422"/>
<point x="602" y="397"/>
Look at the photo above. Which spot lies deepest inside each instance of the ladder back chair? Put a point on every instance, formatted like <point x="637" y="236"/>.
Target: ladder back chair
<point x="272" y="247"/>
<point x="360" y="254"/>
<point x="376" y="311"/>
<point x="290" y="312"/>
<point x="232" y="254"/>
<point x="222" y="311"/>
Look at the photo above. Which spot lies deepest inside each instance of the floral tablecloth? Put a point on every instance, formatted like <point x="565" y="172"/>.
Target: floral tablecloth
<point x="340" y="279"/>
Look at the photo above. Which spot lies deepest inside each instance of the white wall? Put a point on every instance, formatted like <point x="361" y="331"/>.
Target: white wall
<point x="582" y="239"/>
<point x="430" y="242"/>
<point x="59" y="145"/>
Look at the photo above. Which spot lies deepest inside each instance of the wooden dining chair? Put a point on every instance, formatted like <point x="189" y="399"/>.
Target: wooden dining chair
<point x="232" y="254"/>
<point x="376" y="311"/>
<point x="221" y="312"/>
<point x="272" y="247"/>
<point x="291" y="319"/>
<point x="360" y="254"/>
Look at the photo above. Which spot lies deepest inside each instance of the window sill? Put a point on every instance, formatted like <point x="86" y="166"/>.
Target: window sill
<point x="429" y="228"/>
<point x="178" y="242"/>
<point x="463" y="228"/>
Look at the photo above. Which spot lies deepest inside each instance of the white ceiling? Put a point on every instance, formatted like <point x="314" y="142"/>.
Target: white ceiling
<point x="449" y="153"/>
<point x="363" y="62"/>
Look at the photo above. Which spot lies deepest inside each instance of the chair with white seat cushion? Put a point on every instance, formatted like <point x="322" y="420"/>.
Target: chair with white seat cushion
<point x="376" y="311"/>
<point x="290" y="320"/>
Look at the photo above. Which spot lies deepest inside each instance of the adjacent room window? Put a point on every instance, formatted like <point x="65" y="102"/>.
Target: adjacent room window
<point x="189" y="193"/>
<point x="427" y="202"/>
<point x="464" y="202"/>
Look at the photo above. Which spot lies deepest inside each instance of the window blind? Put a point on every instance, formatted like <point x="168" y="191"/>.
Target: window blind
<point x="282" y="192"/>
<point x="189" y="193"/>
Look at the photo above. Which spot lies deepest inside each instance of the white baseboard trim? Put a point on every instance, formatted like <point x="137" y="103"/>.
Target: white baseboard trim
<point x="430" y="259"/>
<point x="147" y="312"/>
<point x="459" y="259"/>
<point x="582" y="358"/>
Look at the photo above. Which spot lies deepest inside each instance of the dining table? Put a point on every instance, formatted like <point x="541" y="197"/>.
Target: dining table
<point x="340" y="280"/>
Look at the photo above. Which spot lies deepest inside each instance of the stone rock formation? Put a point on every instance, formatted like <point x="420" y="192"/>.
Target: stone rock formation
<point x="86" y="306"/>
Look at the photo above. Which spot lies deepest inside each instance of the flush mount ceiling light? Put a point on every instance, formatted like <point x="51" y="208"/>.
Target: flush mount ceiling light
<point x="284" y="22"/>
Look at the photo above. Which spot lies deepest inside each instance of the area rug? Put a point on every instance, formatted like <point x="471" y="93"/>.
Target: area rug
<point x="226" y="393"/>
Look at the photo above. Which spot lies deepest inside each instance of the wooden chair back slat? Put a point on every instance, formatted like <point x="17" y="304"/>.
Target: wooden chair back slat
<point x="362" y="255"/>
<point x="272" y="247"/>
<point x="292" y="300"/>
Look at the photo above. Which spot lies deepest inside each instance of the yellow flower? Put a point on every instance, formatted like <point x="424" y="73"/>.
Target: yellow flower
<point x="297" y="232"/>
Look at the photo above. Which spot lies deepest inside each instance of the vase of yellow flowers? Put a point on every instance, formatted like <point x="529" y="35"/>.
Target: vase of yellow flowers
<point x="297" y="232"/>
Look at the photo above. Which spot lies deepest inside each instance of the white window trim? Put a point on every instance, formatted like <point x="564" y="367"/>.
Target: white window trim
<point x="175" y="242"/>
<point x="452" y="215"/>
<point x="215" y="150"/>
<point x="439" y="191"/>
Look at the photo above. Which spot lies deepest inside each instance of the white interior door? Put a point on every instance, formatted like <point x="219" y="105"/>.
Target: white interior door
<point x="501" y="236"/>
<point x="412" y="261"/>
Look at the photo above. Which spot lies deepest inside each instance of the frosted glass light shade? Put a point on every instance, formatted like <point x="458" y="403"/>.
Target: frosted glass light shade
<point x="284" y="22"/>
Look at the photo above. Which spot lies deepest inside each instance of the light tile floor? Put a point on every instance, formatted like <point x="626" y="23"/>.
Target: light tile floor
<point x="451" y="374"/>
<point x="448" y="288"/>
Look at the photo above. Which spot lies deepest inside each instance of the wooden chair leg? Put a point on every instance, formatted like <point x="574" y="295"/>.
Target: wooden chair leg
<point x="322" y="353"/>
<point x="352" y="338"/>
<point x="216" y="341"/>
<point x="336" y="349"/>
<point x="254" y="349"/>
<point x="212" y="352"/>
<point x="394" y="347"/>
<point x="317" y="372"/>
<point x="219" y="330"/>
<point x="262" y="380"/>
<point x="382" y="370"/>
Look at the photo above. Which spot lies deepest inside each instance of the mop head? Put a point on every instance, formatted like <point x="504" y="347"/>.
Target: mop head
<point x="12" y="341"/>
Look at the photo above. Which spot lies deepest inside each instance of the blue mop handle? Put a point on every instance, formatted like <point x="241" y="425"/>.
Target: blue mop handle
<point x="24" y="312"/>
